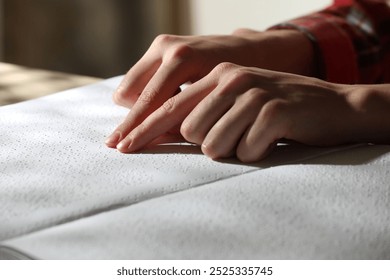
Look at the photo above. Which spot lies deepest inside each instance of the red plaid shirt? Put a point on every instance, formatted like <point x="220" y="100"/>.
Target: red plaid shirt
<point x="351" y="39"/>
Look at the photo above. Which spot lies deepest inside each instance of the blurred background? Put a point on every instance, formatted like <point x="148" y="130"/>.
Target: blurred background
<point x="103" y="38"/>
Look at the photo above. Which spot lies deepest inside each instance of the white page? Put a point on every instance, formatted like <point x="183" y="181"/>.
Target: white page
<point x="55" y="168"/>
<point x="332" y="207"/>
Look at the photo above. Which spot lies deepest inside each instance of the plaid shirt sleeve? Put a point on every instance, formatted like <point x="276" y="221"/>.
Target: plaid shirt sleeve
<point x="351" y="40"/>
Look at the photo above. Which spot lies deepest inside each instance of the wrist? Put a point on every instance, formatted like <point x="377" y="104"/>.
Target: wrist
<point x="281" y="50"/>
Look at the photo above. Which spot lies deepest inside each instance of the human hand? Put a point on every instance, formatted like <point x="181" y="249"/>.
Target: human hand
<point x="244" y="111"/>
<point x="170" y="62"/>
<point x="174" y="60"/>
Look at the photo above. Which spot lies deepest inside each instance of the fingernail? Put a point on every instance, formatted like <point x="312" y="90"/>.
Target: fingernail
<point x="121" y="146"/>
<point x="114" y="138"/>
<point x="119" y="90"/>
<point x="124" y="146"/>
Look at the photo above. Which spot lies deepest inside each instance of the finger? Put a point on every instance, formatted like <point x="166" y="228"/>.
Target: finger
<point x="260" y="138"/>
<point x="169" y="115"/>
<point x="136" y="79"/>
<point x="142" y="72"/>
<point x="164" y="84"/>
<point x="205" y="115"/>
<point x="223" y="138"/>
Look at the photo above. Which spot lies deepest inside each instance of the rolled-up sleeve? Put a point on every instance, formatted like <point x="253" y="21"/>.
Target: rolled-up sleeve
<point x="351" y="40"/>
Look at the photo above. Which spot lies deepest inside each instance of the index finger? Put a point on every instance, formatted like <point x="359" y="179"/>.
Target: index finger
<point x="163" y="85"/>
<point x="170" y="114"/>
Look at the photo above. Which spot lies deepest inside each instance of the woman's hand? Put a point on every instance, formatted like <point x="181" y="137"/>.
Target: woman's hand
<point x="244" y="111"/>
<point x="174" y="60"/>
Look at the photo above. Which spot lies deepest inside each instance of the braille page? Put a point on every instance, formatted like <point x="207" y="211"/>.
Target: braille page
<point x="55" y="168"/>
<point x="331" y="207"/>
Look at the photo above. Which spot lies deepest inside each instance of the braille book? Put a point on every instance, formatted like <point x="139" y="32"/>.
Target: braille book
<point x="65" y="195"/>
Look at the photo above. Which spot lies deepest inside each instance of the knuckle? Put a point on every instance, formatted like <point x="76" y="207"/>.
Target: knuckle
<point x="234" y="76"/>
<point x="169" y="106"/>
<point x="256" y="98"/>
<point x="224" y="67"/>
<point x="241" y="31"/>
<point x="234" y="82"/>
<point x="163" y="39"/>
<point x="241" y="76"/>
<point x="179" y="52"/>
<point x="273" y="110"/>
<point x="244" y="32"/>
<point x="147" y="96"/>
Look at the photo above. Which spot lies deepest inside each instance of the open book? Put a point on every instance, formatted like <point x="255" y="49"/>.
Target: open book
<point x="65" y="195"/>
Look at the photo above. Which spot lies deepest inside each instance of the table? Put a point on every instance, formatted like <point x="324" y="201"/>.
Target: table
<point x="18" y="83"/>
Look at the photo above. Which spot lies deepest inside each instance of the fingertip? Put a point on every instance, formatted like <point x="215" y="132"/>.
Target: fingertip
<point x="210" y="151"/>
<point x="123" y="98"/>
<point x="110" y="145"/>
<point x="123" y="147"/>
<point x="255" y="154"/>
<point x="113" y="139"/>
<point x="205" y="150"/>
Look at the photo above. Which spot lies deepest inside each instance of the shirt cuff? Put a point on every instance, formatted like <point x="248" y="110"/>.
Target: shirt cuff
<point x="335" y="54"/>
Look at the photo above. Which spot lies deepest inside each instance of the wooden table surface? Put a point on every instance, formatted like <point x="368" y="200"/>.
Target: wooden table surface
<point x="18" y="83"/>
